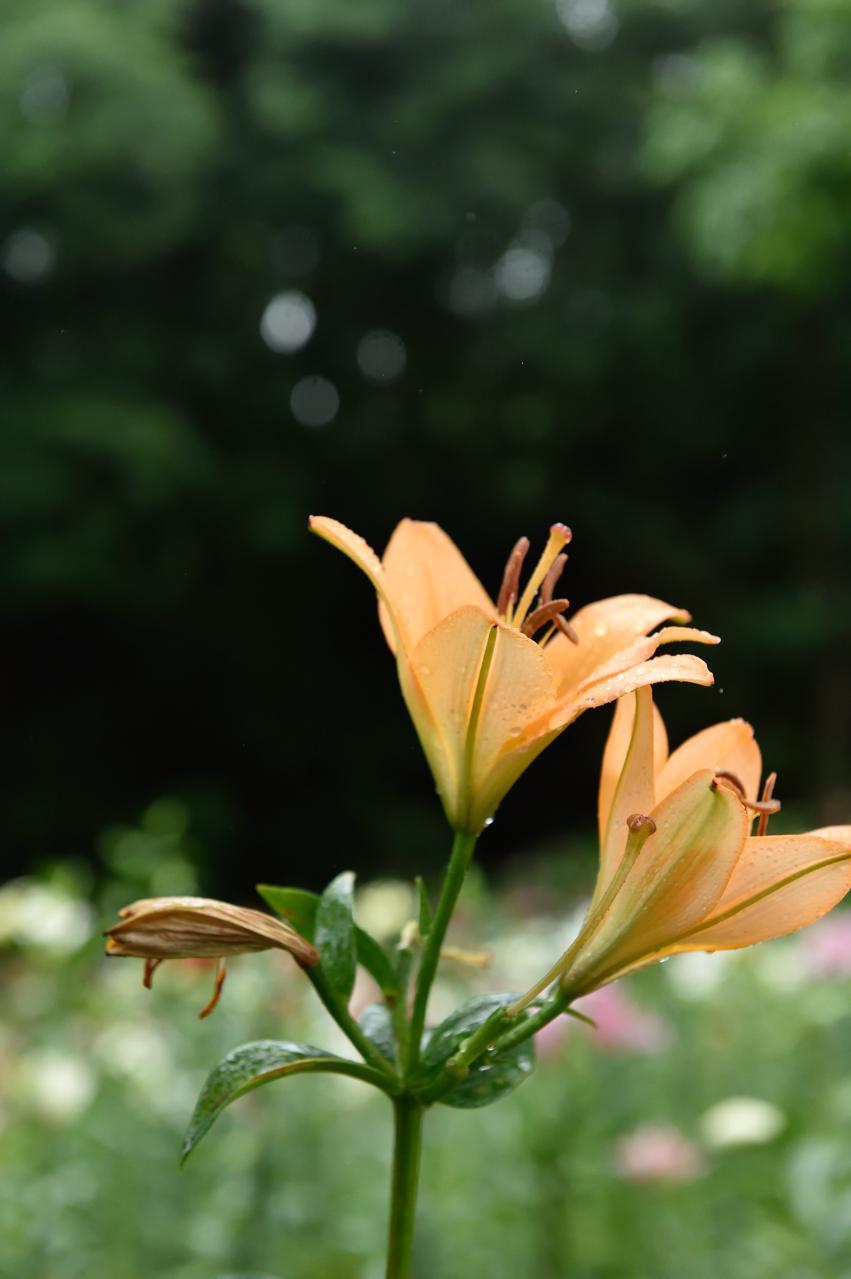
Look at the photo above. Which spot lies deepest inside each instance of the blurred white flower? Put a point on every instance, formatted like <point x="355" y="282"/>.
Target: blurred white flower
<point x="384" y="907"/>
<point x="741" y="1121"/>
<point x="58" y="1085"/>
<point x="41" y="915"/>
<point x="697" y="976"/>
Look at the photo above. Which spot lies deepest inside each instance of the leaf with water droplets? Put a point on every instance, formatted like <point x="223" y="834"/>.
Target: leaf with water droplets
<point x="248" y="1067"/>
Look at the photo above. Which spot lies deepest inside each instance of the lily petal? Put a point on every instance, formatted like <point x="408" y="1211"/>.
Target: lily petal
<point x="361" y="553"/>
<point x="781" y="883"/>
<point x="439" y="682"/>
<point x="614" y="755"/>
<point x="629" y="781"/>
<point x="684" y="667"/>
<point x="730" y="747"/>
<point x="603" y="629"/>
<point x="428" y="577"/>
<point x="519" y="689"/>
<point x="678" y="877"/>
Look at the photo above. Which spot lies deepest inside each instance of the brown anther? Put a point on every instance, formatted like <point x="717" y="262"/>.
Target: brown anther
<point x="151" y="966"/>
<point x="729" y="777"/>
<point x="765" y="806"/>
<point x="511" y="577"/>
<point x="548" y="585"/>
<point x="221" y="973"/>
<point x="546" y="613"/>
<point x="566" y="629"/>
<point x="639" y="822"/>
<point x="765" y="798"/>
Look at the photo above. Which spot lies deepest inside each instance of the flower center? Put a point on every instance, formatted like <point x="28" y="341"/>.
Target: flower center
<point x="548" y="612"/>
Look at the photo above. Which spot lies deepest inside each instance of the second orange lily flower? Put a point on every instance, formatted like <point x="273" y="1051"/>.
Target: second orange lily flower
<point x="679" y="867"/>
<point x="489" y="686"/>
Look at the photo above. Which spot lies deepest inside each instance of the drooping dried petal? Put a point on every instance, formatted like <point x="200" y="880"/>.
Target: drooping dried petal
<point x="201" y="928"/>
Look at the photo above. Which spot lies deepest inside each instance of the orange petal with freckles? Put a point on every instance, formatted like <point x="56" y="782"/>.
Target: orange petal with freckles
<point x="428" y="577"/>
<point x="604" y="628"/>
<point x="781" y="883"/>
<point x="684" y="667"/>
<point x="627" y="778"/>
<point x="729" y="747"/>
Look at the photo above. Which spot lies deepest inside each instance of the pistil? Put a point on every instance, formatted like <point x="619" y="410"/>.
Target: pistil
<point x="559" y="536"/>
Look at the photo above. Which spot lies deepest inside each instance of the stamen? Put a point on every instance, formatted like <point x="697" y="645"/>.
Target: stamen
<point x="221" y="974"/>
<point x="566" y="629"/>
<point x="548" y="585"/>
<point x="764" y="806"/>
<point x="767" y="792"/>
<point x="730" y="777"/>
<point x="542" y="615"/>
<point x="151" y="966"/>
<point x="511" y="576"/>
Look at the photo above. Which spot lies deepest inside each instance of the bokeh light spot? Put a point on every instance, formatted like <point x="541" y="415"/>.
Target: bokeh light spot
<point x="27" y="255"/>
<point x="314" y="401"/>
<point x="381" y="355"/>
<point x="522" y="273"/>
<point x="591" y="24"/>
<point x="288" y="322"/>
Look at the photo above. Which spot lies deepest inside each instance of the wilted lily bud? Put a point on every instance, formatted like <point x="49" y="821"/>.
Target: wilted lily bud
<point x="158" y="928"/>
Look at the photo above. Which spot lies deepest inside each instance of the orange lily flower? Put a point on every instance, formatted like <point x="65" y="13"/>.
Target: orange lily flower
<point x="158" y="928"/>
<point x="489" y="686"/>
<point x="679" y="867"/>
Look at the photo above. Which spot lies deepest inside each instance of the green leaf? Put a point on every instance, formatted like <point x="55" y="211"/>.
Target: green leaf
<point x="250" y="1066"/>
<point x="296" y="905"/>
<point x="335" y="933"/>
<point x="494" y="1075"/>
<point x="299" y="908"/>
<point x="425" y="907"/>
<point x="376" y="962"/>
<point x="376" y="1023"/>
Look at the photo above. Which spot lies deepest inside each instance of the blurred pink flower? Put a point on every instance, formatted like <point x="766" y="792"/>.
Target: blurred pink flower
<point x="658" y="1152"/>
<point x="621" y="1025"/>
<point x="827" y="947"/>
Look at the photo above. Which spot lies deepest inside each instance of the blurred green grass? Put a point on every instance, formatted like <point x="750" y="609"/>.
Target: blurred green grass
<point x="613" y="1160"/>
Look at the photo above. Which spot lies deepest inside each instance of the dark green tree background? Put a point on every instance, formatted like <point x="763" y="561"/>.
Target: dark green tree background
<point x="489" y="263"/>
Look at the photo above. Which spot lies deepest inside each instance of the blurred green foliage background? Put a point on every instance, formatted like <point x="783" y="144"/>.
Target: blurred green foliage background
<point x="493" y="264"/>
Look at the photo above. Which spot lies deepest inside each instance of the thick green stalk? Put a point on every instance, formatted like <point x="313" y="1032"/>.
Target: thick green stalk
<point x="408" y="1120"/>
<point x="462" y="852"/>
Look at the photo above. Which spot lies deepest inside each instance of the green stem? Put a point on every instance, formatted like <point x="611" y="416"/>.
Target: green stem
<point x="531" y="1025"/>
<point x="344" y="1019"/>
<point x="462" y="852"/>
<point x="408" y="1119"/>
